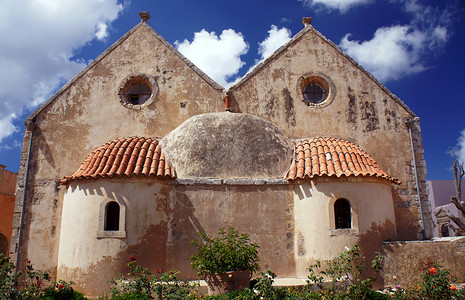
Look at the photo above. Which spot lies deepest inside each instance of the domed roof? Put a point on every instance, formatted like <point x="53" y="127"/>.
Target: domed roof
<point x="325" y="156"/>
<point x="228" y="145"/>
<point x="133" y="156"/>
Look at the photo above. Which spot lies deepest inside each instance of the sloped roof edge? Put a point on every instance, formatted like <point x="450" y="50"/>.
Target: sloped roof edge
<point x="297" y="37"/>
<point x="202" y="74"/>
<point x="110" y="49"/>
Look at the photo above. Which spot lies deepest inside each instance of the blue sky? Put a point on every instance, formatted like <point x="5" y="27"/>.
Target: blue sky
<point x="416" y="48"/>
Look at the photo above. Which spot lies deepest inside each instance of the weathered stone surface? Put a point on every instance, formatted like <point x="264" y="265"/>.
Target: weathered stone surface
<point x="228" y="145"/>
<point x="405" y="261"/>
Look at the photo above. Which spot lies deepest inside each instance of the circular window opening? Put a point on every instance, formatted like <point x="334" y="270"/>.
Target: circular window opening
<point x="316" y="89"/>
<point x="137" y="91"/>
<point x="314" y="93"/>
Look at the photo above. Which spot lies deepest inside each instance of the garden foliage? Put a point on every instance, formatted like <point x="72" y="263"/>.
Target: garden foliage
<point x="35" y="284"/>
<point x="229" y="251"/>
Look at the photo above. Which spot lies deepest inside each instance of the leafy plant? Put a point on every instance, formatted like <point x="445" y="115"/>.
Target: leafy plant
<point x="345" y="273"/>
<point x="8" y="281"/>
<point x="140" y="284"/>
<point x="230" y="251"/>
<point x="37" y="284"/>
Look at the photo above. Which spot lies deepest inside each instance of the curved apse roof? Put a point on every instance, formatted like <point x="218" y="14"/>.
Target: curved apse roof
<point x="324" y="156"/>
<point x="131" y="156"/>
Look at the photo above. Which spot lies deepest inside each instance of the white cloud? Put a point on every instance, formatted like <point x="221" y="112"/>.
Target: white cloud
<point x="460" y="148"/>
<point x="219" y="57"/>
<point x="102" y="31"/>
<point x="399" y="50"/>
<point x="392" y="53"/>
<point x="276" y="38"/>
<point x="341" y="5"/>
<point x="6" y="126"/>
<point x="39" y="39"/>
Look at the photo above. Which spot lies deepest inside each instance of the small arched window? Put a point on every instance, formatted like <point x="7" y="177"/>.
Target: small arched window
<point x="112" y="216"/>
<point x="445" y="230"/>
<point x="342" y="214"/>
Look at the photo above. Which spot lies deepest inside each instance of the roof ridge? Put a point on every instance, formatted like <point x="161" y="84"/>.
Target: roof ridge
<point x="118" y="42"/>
<point x="297" y="37"/>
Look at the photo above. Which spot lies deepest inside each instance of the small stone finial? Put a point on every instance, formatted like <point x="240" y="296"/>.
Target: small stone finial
<point x="144" y="16"/>
<point x="306" y="21"/>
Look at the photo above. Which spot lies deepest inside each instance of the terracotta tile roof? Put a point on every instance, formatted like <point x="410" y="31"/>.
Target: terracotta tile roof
<point x="321" y="156"/>
<point x="131" y="156"/>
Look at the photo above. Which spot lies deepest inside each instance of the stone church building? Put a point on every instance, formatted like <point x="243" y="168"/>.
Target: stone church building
<point x="141" y="151"/>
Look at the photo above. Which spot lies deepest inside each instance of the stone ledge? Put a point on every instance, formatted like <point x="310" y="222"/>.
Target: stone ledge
<point x="231" y="181"/>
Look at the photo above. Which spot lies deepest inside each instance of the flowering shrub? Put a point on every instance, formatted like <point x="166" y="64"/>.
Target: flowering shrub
<point x="37" y="284"/>
<point x="139" y="283"/>
<point x="437" y="283"/>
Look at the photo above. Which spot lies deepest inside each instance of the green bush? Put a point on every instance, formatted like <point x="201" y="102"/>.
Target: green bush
<point x="230" y="251"/>
<point x="37" y="284"/>
<point x="139" y="283"/>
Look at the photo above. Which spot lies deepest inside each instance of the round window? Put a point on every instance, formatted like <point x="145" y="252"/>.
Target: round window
<point x="316" y="89"/>
<point x="314" y="93"/>
<point x="138" y="91"/>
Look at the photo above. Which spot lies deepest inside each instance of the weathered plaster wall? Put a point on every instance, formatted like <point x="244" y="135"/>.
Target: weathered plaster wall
<point x="162" y="219"/>
<point x="361" y="111"/>
<point x="373" y="219"/>
<point x="406" y="261"/>
<point x="7" y="205"/>
<point x="86" y="114"/>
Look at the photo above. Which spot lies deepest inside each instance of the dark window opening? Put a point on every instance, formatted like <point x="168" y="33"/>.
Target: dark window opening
<point x="314" y="93"/>
<point x="445" y="230"/>
<point x="139" y="93"/>
<point x="112" y="216"/>
<point x="342" y="214"/>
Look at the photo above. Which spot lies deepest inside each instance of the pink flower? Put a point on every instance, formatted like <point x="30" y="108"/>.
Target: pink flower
<point x="132" y="258"/>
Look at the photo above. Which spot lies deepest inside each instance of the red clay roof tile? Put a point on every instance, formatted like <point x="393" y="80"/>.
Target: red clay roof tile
<point x="131" y="156"/>
<point x="332" y="157"/>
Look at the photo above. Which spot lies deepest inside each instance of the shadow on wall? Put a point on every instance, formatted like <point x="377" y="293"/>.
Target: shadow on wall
<point x="159" y="228"/>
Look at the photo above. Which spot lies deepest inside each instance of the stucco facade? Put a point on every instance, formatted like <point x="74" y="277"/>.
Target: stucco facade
<point x="217" y="168"/>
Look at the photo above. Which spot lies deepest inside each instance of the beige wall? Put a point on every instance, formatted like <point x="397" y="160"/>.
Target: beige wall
<point x="373" y="219"/>
<point x="87" y="114"/>
<point x="291" y="223"/>
<point x="406" y="261"/>
<point x="161" y="220"/>
<point x="360" y="112"/>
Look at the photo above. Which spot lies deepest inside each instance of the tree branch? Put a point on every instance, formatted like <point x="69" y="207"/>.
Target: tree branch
<point x="457" y="204"/>
<point x="456" y="220"/>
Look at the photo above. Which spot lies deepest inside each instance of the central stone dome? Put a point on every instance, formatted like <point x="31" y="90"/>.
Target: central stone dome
<point x="228" y="145"/>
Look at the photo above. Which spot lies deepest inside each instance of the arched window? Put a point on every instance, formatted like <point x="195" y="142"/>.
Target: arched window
<point x="445" y="230"/>
<point x="342" y="214"/>
<point x="112" y="216"/>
